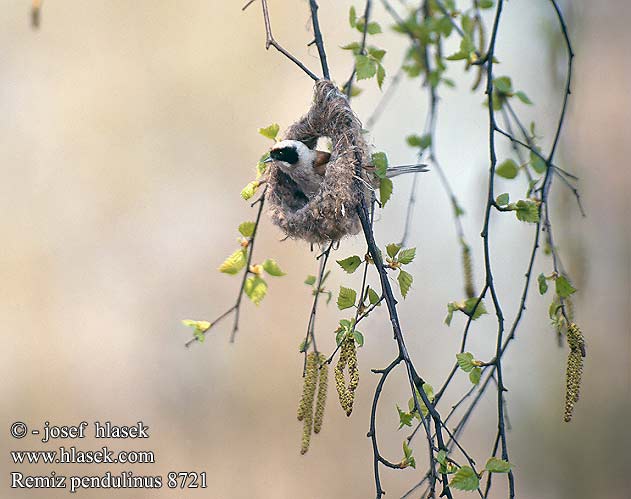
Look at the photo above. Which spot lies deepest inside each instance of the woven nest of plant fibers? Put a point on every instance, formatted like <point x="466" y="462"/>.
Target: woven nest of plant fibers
<point x="331" y="214"/>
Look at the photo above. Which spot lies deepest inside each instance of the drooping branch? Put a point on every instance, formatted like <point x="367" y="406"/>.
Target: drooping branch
<point x="236" y="308"/>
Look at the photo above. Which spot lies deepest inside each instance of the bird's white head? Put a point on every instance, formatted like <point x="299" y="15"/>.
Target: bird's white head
<point x="290" y="153"/>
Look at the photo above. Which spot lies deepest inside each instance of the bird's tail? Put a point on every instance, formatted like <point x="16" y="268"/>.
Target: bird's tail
<point x="394" y="171"/>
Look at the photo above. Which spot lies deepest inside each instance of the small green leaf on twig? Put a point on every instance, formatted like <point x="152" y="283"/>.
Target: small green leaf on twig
<point x="563" y="287"/>
<point x="346" y="298"/>
<point x="270" y="131"/>
<point x="495" y="465"/>
<point x="234" y="263"/>
<point x="507" y="169"/>
<point x="350" y="264"/>
<point x="271" y="267"/>
<point x="247" y="229"/>
<point x="465" y="479"/>
<point x="405" y="282"/>
<point x="255" y="289"/>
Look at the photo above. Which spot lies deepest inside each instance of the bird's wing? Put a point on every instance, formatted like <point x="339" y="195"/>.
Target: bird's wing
<point x="321" y="160"/>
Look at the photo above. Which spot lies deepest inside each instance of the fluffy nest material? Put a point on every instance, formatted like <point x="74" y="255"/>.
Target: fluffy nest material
<point x="331" y="214"/>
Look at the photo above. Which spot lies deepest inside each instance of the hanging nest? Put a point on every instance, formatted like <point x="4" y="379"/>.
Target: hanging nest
<point x="331" y="213"/>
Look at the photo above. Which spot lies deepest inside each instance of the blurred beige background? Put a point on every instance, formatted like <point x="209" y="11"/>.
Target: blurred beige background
<point x="128" y="131"/>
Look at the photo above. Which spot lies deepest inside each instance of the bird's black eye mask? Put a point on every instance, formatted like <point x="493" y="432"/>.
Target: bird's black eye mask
<point x="286" y="154"/>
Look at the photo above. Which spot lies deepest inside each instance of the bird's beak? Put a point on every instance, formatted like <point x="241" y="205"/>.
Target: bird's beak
<point x="268" y="160"/>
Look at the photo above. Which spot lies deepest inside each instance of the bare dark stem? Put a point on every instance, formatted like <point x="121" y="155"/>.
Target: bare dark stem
<point x="271" y="42"/>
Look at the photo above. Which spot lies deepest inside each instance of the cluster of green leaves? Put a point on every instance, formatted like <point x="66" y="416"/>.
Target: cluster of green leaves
<point x="199" y="328"/>
<point x="471" y="307"/>
<point x="408" y="458"/>
<point x="255" y="287"/>
<point x="270" y="132"/>
<point x="380" y="162"/>
<point x="368" y="60"/>
<point x="346" y="329"/>
<point x="470" y="24"/>
<point x="406" y="418"/>
<point x="526" y="210"/>
<point x="468" y="364"/>
<point x="397" y="257"/>
<point x="503" y="90"/>
<point x="430" y="30"/>
<point x="347" y="298"/>
<point x="434" y="27"/>
<point x="465" y="478"/>
<point x="563" y="292"/>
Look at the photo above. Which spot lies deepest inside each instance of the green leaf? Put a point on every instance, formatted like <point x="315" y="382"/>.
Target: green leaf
<point x="359" y="338"/>
<point x="250" y="189"/>
<point x="354" y="46"/>
<point x="352" y="17"/>
<point x="527" y="210"/>
<point x="405" y="418"/>
<point x="406" y="255"/>
<point x="381" y="75"/>
<point x="441" y="456"/>
<point x="563" y="287"/>
<point x="503" y="85"/>
<point x="199" y="327"/>
<point x="355" y="90"/>
<point x="486" y="4"/>
<point x="429" y="392"/>
<point x="376" y="53"/>
<point x="310" y="280"/>
<point x="270" y="131"/>
<point x="503" y="199"/>
<point x="537" y="163"/>
<point x="523" y="97"/>
<point x="507" y="169"/>
<point x="373" y="28"/>
<point x="405" y="281"/>
<point x="465" y="361"/>
<point x="271" y="267"/>
<point x="495" y="465"/>
<point x="466" y="48"/>
<point x="346" y="298"/>
<point x="261" y="166"/>
<point x="392" y="249"/>
<point x="234" y="263"/>
<point x="350" y="264"/>
<point x="474" y="375"/>
<point x="255" y="289"/>
<point x="365" y="67"/>
<point x="451" y="308"/>
<point x="385" y="190"/>
<point x="339" y="336"/>
<point x="304" y="344"/>
<point x="469" y="305"/>
<point x="465" y="479"/>
<point x="414" y="140"/>
<point x="373" y="297"/>
<point x="380" y="162"/>
<point x="467" y="24"/>
<point x="543" y="284"/>
<point x="407" y="451"/>
<point x="247" y="229"/>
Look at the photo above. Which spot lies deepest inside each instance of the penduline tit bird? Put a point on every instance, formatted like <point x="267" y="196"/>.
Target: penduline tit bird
<point x="307" y="166"/>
